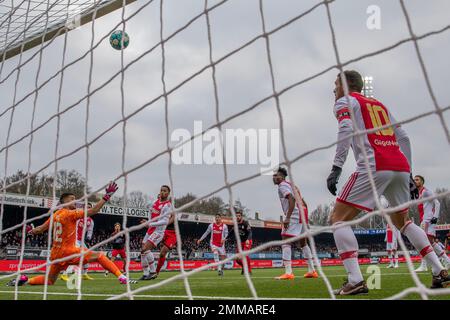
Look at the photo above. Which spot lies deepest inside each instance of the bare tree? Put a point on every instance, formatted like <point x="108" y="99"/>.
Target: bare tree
<point x="212" y="206"/>
<point x="71" y="181"/>
<point x="137" y="199"/>
<point x="209" y="206"/>
<point x="42" y="185"/>
<point x="187" y="198"/>
<point x="320" y="215"/>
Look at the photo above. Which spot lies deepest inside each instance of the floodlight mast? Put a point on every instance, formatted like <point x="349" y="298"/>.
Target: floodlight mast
<point x="368" y="86"/>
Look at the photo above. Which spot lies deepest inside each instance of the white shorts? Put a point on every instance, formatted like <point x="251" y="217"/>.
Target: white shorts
<point x="220" y="250"/>
<point x="357" y="191"/>
<point x="431" y="231"/>
<point x="391" y="246"/>
<point x="294" y="229"/>
<point x="154" y="237"/>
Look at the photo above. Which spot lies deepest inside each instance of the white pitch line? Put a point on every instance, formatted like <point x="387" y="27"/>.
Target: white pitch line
<point x="256" y="277"/>
<point x="167" y="296"/>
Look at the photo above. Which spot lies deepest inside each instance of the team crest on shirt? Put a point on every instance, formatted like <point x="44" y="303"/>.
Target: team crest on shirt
<point x="219" y="229"/>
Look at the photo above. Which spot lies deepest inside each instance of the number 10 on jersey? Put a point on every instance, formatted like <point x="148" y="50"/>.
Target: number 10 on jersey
<point x="376" y="114"/>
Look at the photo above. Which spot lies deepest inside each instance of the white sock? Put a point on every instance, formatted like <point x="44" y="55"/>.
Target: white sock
<point x="347" y="246"/>
<point x="144" y="264"/>
<point x="440" y="253"/>
<point x="287" y="256"/>
<point x="307" y="254"/>
<point x="85" y="268"/>
<point x="420" y="241"/>
<point x="423" y="264"/>
<point x="391" y="258"/>
<point x="151" y="262"/>
<point x="68" y="270"/>
<point x="216" y="259"/>
<point x="396" y="258"/>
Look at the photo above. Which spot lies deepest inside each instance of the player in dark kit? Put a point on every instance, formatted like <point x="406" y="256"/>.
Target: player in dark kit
<point x="118" y="245"/>
<point x="245" y="234"/>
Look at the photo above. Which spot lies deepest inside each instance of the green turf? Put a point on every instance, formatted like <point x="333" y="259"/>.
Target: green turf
<point x="209" y="284"/>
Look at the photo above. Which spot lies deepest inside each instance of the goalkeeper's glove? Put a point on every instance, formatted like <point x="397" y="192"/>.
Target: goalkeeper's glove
<point x="333" y="179"/>
<point x="414" y="192"/>
<point x="433" y="220"/>
<point x="110" y="190"/>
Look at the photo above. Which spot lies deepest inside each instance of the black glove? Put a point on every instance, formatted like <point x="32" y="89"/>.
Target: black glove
<point x="414" y="192"/>
<point x="333" y="179"/>
<point x="433" y="220"/>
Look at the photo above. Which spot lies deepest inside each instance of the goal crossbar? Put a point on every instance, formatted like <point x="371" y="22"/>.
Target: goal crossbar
<point x="98" y="9"/>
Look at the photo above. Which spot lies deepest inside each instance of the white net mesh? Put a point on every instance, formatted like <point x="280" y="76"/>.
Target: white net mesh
<point x="21" y="23"/>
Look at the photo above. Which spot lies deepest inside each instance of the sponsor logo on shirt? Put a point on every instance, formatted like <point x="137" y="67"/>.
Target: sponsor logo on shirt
<point x="388" y="143"/>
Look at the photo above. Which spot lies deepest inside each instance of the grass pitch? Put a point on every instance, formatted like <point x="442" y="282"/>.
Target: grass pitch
<point x="208" y="285"/>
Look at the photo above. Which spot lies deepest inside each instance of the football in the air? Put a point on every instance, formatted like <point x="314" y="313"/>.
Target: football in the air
<point x="116" y="39"/>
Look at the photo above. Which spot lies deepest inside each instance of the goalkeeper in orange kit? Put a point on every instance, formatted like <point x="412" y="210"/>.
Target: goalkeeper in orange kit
<point x="64" y="241"/>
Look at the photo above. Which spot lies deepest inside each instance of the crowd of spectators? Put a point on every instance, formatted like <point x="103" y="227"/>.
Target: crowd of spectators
<point x="14" y="238"/>
<point x="189" y="243"/>
<point x="101" y="235"/>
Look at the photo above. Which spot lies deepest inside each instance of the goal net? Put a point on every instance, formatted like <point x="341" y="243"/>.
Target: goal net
<point x="71" y="101"/>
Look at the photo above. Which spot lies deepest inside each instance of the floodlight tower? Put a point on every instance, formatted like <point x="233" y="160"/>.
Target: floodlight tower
<point x="368" y="86"/>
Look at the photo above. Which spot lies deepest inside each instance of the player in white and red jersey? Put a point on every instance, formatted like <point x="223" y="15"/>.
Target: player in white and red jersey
<point x="168" y="242"/>
<point x="293" y="224"/>
<point x="89" y="231"/>
<point x="388" y="152"/>
<point x="391" y="239"/>
<point x="443" y="257"/>
<point x="219" y="233"/>
<point x="159" y="219"/>
<point x="429" y="214"/>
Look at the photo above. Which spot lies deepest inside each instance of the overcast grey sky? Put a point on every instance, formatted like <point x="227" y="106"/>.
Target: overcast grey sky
<point x="298" y="51"/>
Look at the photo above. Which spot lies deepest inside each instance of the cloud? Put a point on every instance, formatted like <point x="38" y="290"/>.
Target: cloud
<point x="298" y="51"/>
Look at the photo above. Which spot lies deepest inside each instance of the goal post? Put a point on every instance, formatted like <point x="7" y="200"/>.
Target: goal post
<point x="63" y="21"/>
<point x="225" y="87"/>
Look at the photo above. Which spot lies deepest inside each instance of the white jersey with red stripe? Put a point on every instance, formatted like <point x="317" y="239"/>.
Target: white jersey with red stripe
<point x="391" y="235"/>
<point x="284" y="190"/>
<point x="219" y="232"/>
<point x="157" y="208"/>
<point x="387" y="149"/>
<point x="89" y="228"/>
<point x="428" y="209"/>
